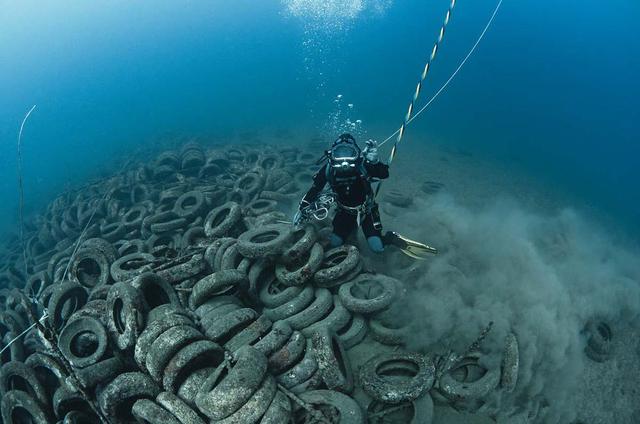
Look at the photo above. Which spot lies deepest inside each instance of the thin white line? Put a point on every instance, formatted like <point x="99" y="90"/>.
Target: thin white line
<point x="23" y="333"/>
<point x="486" y="28"/>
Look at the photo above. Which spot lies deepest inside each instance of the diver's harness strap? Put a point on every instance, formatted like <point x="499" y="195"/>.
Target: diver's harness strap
<point x="360" y="211"/>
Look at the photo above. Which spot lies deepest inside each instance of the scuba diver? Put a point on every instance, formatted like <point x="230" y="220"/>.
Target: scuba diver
<point x="349" y="172"/>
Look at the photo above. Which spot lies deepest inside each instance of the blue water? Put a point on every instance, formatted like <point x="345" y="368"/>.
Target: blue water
<point x="552" y="89"/>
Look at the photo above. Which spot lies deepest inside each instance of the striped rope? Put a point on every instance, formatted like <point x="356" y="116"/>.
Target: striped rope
<point x="453" y="75"/>
<point x="416" y="93"/>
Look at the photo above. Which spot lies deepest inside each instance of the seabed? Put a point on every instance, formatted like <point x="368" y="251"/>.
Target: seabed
<point x="174" y="291"/>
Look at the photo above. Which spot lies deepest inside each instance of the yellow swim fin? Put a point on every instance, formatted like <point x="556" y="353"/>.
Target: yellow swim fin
<point x="411" y="248"/>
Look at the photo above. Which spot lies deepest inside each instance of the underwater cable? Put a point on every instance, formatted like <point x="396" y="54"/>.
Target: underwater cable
<point x="416" y="93"/>
<point x="21" y="190"/>
<point x="453" y="75"/>
<point x="45" y="314"/>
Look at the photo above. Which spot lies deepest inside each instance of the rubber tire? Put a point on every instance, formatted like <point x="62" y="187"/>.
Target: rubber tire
<point x="333" y="362"/>
<point x="348" y="409"/>
<point x="395" y="391"/>
<point x="225" y="392"/>
<point x="360" y="305"/>
<point x="77" y="327"/>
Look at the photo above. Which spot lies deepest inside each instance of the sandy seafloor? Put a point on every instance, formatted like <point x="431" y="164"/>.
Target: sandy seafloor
<point x="599" y="392"/>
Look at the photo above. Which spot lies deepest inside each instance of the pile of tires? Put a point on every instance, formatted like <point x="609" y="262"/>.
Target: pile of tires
<point x="174" y="292"/>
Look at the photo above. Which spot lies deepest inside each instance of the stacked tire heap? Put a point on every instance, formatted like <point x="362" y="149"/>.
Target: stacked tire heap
<point x="187" y="300"/>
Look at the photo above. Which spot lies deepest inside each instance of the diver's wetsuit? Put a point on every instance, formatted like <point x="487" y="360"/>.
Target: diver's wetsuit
<point x="352" y="193"/>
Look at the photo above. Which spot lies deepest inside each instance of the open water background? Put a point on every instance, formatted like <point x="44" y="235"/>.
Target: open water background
<point x="552" y="91"/>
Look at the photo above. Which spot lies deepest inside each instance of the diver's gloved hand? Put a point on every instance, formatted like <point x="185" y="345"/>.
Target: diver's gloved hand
<point x="371" y="151"/>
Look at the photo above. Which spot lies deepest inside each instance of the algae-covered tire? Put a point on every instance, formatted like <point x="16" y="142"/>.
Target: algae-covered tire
<point x="301" y="371"/>
<point x="347" y="408"/>
<point x="152" y="331"/>
<point x="314" y="312"/>
<point x="147" y="411"/>
<point x="13" y="372"/>
<point x="510" y="363"/>
<point x="468" y="381"/>
<point x="275" y="339"/>
<point x="194" y="236"/>
<point x="268" y="240"/>
<point x="289" y="354"/>
<point x="182" y="269"/>
<point x="333" y="363"/>
<point x="66" y="298"/>
<point x="134" y="216"/>
<point x="269" y="218"/>
<point x="170" y="223"/>
<point x="368" y="293"/>
<point x="47" y="368"/>
<point x="225" y="244"/>
<point x="336" y="264"/>
<point x="270" y="162"/>
<point x="168" y="344"/>
<point x="257" y="404"/>
<point x="260" y="273"/>
<point x="420" y="411"/>
<point x="334" y="321"/>
<point x="103" y="246"/>
<point x="226" y="390"/>
<point x="166" y="310"/>
<point x="130" y="266"/>
<point x="238" y="196"/>
<point x="279" y="411"/>
<point x="36" y="284"/>
<point x="299" y="272"/>
<point x="155" y="290"/>
<point x="18" y="403"/>
<point x="79" y="417"/>
<point x="250" y="334"/>
<point x="354" y="332"/>
<point x="100" y="372"/>
<point x="66" y="399"/>
<point x="190" y="205"/>
<point x="212" y="316"/>
<point x="113" y="231"/>
<point x="312" y="383"/>
<point x="230" y="324"/>
<point x="128" y="247"/>
<point x="351" y="275"/>
<point x="274" y="293"/>
<point x="303" y="239"/>
<point x="124" y="390"/>
<point x="403" y="386"/>
<point x="599" y="336"/>
<point x="90" y="267"/>
<point x="125" y="314"/>
<point x="232" y="259"/>
<point x="250" y="183"/>
<point x="178" y="408"/>
<point x="301" y="301"/>
<point x="221" y="220"/>
<point x="387" y="331"/>
<point x="83" y="341"/>
<point x="192" y="384"/>
<point x="216" y="302"/>
<point x="216" y="284"/>
<point x="196" y="355"/>
<point x="259" y="207"/>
